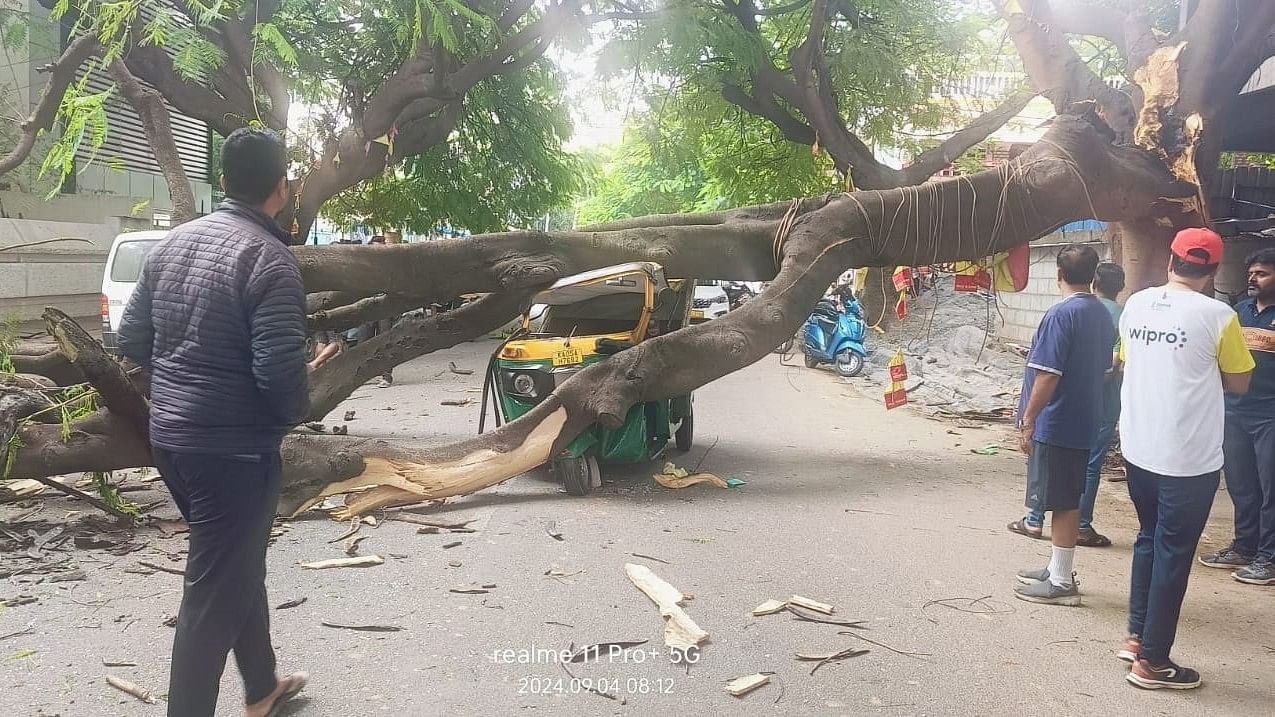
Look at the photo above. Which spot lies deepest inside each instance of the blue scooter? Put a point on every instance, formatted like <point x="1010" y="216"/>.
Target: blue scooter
<point x="835" y="337"/>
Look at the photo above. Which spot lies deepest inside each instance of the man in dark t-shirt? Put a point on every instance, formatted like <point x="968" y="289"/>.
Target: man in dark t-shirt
<point x="1249" y="442"/>
<point x="1059" y="414"/>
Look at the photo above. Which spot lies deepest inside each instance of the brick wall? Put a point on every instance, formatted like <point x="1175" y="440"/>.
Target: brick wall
<point x="1023" y="310"/>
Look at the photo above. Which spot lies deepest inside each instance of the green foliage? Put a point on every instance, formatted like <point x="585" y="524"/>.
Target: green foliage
<point x="83" y="116"/>
<point x="267" y="35"/>
<point x="695" y="154"/>
<point x="8" y="342"/>
<point x="111" y="496"/>
<point x="11" y="455"/>
<point x="196" y="58"/>
<point x="885" y="63"/>
<point x="503" y="165"/>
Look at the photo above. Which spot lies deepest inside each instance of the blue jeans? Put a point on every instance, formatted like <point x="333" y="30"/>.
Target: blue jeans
<point x="1171" y="516"/>
<point x="1097" y="456"/>
<point x="1250" y="479"/>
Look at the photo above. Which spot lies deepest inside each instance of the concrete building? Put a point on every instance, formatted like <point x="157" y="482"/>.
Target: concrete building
<point x="117" y="188"/>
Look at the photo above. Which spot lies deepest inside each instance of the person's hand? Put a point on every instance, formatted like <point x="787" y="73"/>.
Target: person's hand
<point x="1025" y="438"/>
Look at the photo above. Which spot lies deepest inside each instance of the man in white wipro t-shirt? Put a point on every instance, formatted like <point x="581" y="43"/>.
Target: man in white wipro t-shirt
<point x="1181" y="351"/>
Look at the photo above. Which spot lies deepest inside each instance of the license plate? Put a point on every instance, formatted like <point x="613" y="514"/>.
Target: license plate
<point x="567" y="357"/>
<point x="697" y="314"/>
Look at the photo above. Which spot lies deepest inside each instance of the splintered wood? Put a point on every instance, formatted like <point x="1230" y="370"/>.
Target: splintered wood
<point x="365" y="561"/>
<point x="809" y="604"/>
<point x="741" y="686"/>
<point x="387" y="482"/>
<point x="680" y="631"/>
<point x="770" y="607"/>
<point x="130" y="689"/>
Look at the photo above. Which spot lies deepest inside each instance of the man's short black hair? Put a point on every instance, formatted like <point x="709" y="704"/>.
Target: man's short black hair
<point x="1265" y="257"/>
<point x="1187" y="270"/>
<point x="1108" y="279"/>
<point x="252" y="163"/>
<point x="1077" y="264"/>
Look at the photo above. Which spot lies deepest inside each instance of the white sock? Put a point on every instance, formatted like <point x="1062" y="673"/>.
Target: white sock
<point x="1060" y="566"/>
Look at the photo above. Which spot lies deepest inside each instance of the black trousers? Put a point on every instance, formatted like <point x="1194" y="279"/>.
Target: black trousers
<point x="229" y="502"/>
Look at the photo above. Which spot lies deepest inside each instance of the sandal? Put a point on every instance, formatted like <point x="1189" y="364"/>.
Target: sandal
<point x="297" y="682"/>
<point x="1021" y="527"/>
<point x="1090" y="538"/>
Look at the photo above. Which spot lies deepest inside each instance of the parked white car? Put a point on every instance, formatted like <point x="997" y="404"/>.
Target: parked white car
<point x="123" y="268"/>
<point x="710" y="301"/>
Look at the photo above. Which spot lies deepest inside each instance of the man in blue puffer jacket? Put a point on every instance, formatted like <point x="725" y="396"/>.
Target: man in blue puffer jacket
<point x="218" y="316"/>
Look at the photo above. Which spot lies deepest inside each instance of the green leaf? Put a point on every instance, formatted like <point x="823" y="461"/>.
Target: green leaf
<point x="269" y="35"/>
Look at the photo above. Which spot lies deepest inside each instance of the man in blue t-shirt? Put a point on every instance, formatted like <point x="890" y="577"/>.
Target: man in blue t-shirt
<point x="1108" y="282"/>
<point x="1059" y="415"/>
<point x="1249" y="443"/>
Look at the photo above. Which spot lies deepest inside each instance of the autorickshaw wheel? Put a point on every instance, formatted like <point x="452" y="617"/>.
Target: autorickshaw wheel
<point x="811" y="361"/>
<point x="578" y="475"/>
<point x="685" y="436"/>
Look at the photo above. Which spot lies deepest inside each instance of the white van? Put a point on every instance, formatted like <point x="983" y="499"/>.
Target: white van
<point x="123" y="267"/>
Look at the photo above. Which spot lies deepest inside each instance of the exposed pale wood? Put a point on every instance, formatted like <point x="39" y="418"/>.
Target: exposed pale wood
<point x="741" y="686"/>
<point x="399" y="482"/>
<point x="680" y="631"/>
<point x="129" y="688"/>
<point x="770" y="607"/>
<point x="809" y="604"/>
<point x="363" y="561"/>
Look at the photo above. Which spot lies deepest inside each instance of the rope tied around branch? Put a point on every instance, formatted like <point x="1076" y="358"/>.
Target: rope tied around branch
<point x="782" y="231"/>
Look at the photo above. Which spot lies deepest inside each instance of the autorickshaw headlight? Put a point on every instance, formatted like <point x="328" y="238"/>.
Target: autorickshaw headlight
<point x="524" y="385"/>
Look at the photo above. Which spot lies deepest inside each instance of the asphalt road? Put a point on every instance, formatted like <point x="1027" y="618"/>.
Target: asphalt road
<point x="880" y="514"/>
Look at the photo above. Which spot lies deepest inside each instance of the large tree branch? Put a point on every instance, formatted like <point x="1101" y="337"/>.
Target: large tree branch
<point x="1131" y="33"/>
<point x="765" y="106"/>
<point x="223" y="113"/>
<point x="61" y="74"/>
<point x="153" y="112"/>
<point x="934" y="160"/>
<point x="1057" y="71"/>
<point x="333" y="382"/>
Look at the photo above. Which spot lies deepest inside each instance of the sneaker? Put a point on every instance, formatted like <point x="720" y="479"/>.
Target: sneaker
<point x="1031" y="577"/>
<point x="1165" y="677"/>
<point x="1227" y="557"/>
<point x="1130" y="650"/>
<point x="1047" y="593"/>
<point x="1260" y="572"/>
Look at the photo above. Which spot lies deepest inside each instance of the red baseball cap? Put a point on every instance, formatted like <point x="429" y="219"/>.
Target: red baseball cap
<point x="1198" y="246"/>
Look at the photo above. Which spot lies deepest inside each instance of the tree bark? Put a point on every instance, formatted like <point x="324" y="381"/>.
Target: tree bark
<point x="153" y="112"/>
<point x="1072" y="175"/>
<point x="62" y="74"/>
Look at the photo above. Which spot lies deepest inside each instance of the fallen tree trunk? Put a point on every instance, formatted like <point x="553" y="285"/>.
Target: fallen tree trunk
<point x="1072" y="174"/>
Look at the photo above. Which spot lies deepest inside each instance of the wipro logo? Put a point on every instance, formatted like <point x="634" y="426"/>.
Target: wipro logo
<point x="1175" y="338"/>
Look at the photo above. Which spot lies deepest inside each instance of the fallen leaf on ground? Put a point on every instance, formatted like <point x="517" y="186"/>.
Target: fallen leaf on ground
<point x="457" y="402"/>
<point x="352" y="545"/>
<point x="469" y="590"/>
<point x="669" y="480"/>
<point x="363" y="628"/>
<point x="826" y="658"/>
<point x="291" y="603"/>
<point x="990" y="449"/>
